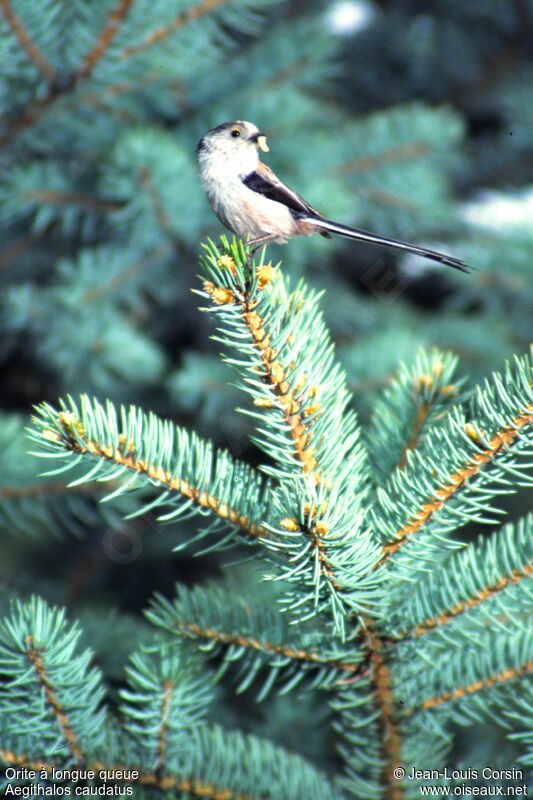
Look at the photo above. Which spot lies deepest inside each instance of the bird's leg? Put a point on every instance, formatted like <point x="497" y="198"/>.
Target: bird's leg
<point x="257" y="243"/>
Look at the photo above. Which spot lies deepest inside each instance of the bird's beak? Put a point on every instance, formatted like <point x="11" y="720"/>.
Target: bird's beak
<point x="262" y="142"/>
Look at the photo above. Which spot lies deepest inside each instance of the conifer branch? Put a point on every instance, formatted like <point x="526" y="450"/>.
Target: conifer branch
<point x="290" y="71"/>
<point x="191" y="629"/>
<point x="385" y="198"/>
<point x="37" y="107"/>
<point x="97" y="101"/>
<point x="27" y="43"/>
<point x="496" y="679"/>
<point x="286" y="359"/>
<point x="487" y="593"/>
<point x="288" y="389"/>
<point x="54" y="197"/>
<point x="423" y="411"/>
<point x="273" y="374"/>
<point x="229" y="626"/>
<point x="17" y="246"/>
<point x="499" y="441"/>
<point x="428" y="394"/>
<point x="485" y="585"/>
<point x="73" y="439"/>
<point x="168" y="688"/>
<point x="43" y="679"/>
<point x="276" y="376"/>
<point x="119" y="278"/>
<point x="103" y="97"/>
<point x="108" y="773"/>
<point x="404" y="152"/>
<point x="417" y="398"/>
<point x="34" y="110"/>
<point x="106" y="36"/>
<point x="160" y="213"/>
<point x="389" y="738"/>
<point x="69" y="432"/>
<point x="201" y="9"/>
<point x="223" y="761"/>
<point x="46" y="489"/>
<point x="11" y="758"/>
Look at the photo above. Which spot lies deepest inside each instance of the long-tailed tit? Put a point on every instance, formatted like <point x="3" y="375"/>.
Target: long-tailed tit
<point x="250" y="200"/>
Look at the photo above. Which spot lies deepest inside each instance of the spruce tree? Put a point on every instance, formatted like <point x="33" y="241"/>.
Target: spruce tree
<point x="340" y="548"/>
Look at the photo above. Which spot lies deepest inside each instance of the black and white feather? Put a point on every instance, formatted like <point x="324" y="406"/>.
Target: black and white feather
<point x="250" y="199"/>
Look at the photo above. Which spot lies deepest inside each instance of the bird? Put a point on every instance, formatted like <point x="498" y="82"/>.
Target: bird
<point x="253" y="203"/>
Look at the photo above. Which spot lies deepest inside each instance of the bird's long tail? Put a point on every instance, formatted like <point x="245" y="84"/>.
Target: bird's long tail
<point x="366" y="236"/>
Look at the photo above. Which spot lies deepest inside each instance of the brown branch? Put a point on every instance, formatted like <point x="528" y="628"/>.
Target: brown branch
<point x="22" y="760"/>
<point x="179" y="22"/>
<point x="500" y="440"/>
<point x="54" y="197"/>
<point x="98" y="99"/>
<point x="163" y="477"/>
<point x="27" y="43"/>
<point x="117" y="281"/>
<point x="56" y="488"/>
<point x="18" y="246"/>
<point x="131" y="776"/>
<point x="162" y="217"/>
<point x="290" y="71"/>
<point x="401" y="153"/>
<point x="35" y="656"/>
<point x="390" y="743"/>
<point x="423" y="384"/>
<point x="276" y="376"/>
<point x="494" y="680"/>
<point x="306" y="656"/>
<point x="104" y="40"/>
<point x="163" y="728"/>
<point x="388" y="199"/>
<point x="500" y="63"/>
<point x="423" y="411"/>
<point x="487" y="593"/>
<point x="36" y="108"/>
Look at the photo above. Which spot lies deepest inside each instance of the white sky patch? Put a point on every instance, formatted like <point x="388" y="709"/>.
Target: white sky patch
<point x="499" y="211"/>
<point x="346" y="17"/>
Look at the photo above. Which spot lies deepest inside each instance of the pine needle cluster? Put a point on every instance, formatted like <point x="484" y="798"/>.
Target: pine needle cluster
<point x="376" y="603"/>
<point x="369" y="597"/>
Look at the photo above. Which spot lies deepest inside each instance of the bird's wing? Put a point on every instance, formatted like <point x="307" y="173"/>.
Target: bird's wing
<point x="264" y="181"/>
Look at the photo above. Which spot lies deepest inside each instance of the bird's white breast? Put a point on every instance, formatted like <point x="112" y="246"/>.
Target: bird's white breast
<point x="239" y="208"/>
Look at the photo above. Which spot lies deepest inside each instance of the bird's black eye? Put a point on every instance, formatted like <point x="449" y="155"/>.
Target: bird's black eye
<point x="235" y="133"/>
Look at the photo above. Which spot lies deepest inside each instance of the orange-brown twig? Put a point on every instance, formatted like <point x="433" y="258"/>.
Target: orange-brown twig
<point x="388" y="730"/>
<point x="446" y="615"/>
<point x="104" y="39"/>
<point x="494" y="680"/>
<point x="157" y="474"/>
<point x="305" y="656"/>
<point x="179" y="22"/>
<point x="500" y="440"/>
<point x="394" y="154"/>
<point x="36" y="658"/>
<point x="27" y="43"/>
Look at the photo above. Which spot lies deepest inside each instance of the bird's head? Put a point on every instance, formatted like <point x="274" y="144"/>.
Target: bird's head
<point x="235" y="142"/>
